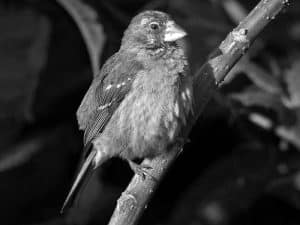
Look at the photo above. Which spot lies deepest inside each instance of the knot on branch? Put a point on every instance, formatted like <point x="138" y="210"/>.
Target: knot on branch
<point x="127" y="202"/>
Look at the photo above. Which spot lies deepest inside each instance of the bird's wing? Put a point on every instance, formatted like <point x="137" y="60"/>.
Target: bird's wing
<point x="88" y="103"/>
<point x="103" y="97"/>
<point x="109" y="93"/>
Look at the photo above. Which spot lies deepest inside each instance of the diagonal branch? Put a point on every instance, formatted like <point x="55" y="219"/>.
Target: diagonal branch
<point x="135" y="198"/>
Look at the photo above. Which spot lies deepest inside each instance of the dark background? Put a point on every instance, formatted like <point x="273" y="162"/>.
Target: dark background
<point x="242" y="163"/>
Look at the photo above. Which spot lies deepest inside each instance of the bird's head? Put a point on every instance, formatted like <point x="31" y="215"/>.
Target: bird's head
<point x="152" y="30"/>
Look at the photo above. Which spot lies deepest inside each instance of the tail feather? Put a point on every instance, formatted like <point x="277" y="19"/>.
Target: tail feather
<point x="81" y="179"/>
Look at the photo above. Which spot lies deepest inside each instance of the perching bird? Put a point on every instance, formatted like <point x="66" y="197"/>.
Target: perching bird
<point x="139" y="101"/>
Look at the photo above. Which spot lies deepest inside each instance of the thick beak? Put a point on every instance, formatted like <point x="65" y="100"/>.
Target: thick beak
<point x="173" y="32"/>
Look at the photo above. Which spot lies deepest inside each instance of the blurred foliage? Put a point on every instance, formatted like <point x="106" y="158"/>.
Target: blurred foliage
<point x="92" y="32"/>
<point x="242" y="164"/>
<point x="23" y="55"/>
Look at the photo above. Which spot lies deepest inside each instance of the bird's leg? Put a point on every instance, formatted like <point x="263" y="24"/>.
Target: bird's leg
<point x="141" y="170"/>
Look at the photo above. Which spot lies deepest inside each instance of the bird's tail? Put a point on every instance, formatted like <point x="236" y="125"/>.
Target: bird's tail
<point x="83" y="177"/>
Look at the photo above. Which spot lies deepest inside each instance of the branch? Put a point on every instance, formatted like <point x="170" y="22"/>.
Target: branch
<point x="135" y="198"/>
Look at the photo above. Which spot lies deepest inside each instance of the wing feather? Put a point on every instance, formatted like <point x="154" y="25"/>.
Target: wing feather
<point x="88" y="103"/>
<point x="106" y="94"/>
<point x="100" y="119"/>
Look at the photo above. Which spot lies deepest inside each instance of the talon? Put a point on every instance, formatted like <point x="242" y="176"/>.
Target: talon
<point x="141" y="170"/>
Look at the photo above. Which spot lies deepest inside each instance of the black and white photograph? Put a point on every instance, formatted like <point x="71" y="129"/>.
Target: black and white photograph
<point x="149" y="112"/>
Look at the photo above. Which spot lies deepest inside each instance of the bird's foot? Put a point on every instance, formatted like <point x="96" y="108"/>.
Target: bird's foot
<point x="141" y="170"/>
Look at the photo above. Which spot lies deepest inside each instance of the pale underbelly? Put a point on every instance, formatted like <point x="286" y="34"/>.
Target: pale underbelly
<point x="147" y="124"/>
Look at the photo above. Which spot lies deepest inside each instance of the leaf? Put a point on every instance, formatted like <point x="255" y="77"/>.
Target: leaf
<point x="23" y="53"/>
<point x="19" y="154"/>
<point x="295" y="30"/>
<point x="85" y="18"/>
<point x="254" y="96"/>
<point x="292" y="78"/>
<point x="235" y="10"/>
<point x="261" y="78"/>
<point x="261" y="120"/>
<point x="291" y="133"/>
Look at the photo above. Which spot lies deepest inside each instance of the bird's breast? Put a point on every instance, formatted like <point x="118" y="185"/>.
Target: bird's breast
<point x="151" y="113"/>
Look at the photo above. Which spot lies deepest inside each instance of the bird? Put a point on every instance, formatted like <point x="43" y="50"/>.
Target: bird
<point x="137" y="104"/>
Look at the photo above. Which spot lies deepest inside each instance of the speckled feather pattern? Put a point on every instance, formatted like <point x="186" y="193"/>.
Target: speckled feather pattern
<point x="152" y="113"/>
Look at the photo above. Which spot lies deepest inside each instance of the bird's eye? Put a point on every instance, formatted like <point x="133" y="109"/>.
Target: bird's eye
<point x="154" y="26"/>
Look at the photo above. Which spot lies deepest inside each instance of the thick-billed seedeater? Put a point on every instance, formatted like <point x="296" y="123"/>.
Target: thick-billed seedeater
<point x="137" y="104"/>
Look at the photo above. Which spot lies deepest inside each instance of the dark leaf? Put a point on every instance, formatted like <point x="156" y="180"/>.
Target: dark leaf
<point x="292" y="78"/>
<point x="23" y="53"/>
<point x="295" y="31"/>
<point x="19" y="154"/>
<point x="261" y="78"/>
<point x="254" y="96"/>
<point x="86" y="19"/>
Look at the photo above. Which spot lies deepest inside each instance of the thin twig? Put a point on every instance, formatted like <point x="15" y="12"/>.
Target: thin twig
<point x="135" y="198"/>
